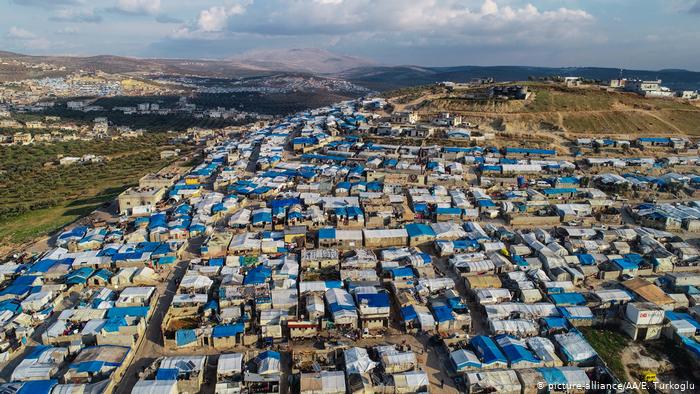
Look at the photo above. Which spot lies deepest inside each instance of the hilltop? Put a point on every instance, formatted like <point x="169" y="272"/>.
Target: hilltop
<point x="261" y="63"/>
<point x="320" y="62"/>
<point x="18" y="66"/>
<point x="309" y="60"/>
<point x="557" y="114"/>
<point x="394" y="77"/>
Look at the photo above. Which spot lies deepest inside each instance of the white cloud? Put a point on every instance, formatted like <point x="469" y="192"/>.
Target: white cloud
<point x="150" y="7"/>
<point x="18" y="33"/>
<point x="412" y="21"/>
<point x="45" y="3"/>
<point x="75" y="14"/>
<point x="181" y="32"/>
<point x="163" y="18"/>
<point x="215" y="19"/>
<point x="489" y="7"/>
<point x="406" y="31"/>
<point x="38" y="43"/>
<point x="26" y="39"/>
<point x="212" y="19"/>
<point x="68" y="30"/>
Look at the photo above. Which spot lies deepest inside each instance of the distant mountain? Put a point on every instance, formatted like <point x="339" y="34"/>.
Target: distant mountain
<point x="10" y="54"/>
<point x="254" y="63"/>
<point x="385" y="78"/>
<point x="121" y="64"/>
<point x="324" y="63"/>
<point x="307" y="60"/>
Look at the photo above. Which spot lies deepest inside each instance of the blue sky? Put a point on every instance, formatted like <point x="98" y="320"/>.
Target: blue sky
<point x="651" y="34"/>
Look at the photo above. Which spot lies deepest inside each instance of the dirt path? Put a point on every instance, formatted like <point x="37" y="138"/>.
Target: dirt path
<point x="634" y="355"/>
<point x="657" y="117"/>
<point x="629" y="356"/>
<point x="151" y="345"/>
<point x="410" y="105"/>
<point x="555" y="112"/>
<point x="560" y="121"/>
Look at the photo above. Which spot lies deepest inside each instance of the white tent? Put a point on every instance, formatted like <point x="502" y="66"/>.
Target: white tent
<point x="231" y="363"/>
<point x="194" y="281"/>
<point x="612" y="295"/>
<point x="269" y="364"/>
<point x="273" y="316"/>
<point x="492" y="295"/>
<point x="393" y="254"/>
<point x="324" y="382"/>
<point x="183" y="363"/>
<point x="448" y="231"/>
<point x="284" y="298"/>
<point x="425" y="319"/>
<point x="312" y="286"/>
<point x="575" y="347"/>
<point x="343" y="306"/>
<point x="500" y="381"/>
<point x="683" y="328"/>
<point x="41" y="364"/>
<point x="463" y="359"/>
<point x="544" y="350"/>
<point x="533" y="311"/>
<point x="411" y="382"/>
<point x="437" y="284"/>
<point x="155" y="387"/>
<point x="516" y="327"/>
<point x="90" y="388"/>
<point x="395" y="361"/>
<point x="357" y="361"/>
<point x="333" y="382"/>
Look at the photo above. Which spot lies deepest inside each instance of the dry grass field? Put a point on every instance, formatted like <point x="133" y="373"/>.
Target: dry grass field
<point x="576" y="111"/>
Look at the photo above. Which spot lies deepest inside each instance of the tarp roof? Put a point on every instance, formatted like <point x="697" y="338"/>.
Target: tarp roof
<point x="155" y="386"/>
<point x="515" y="350"/>
<point x="357" y="361"/>
<point x="462" y="359"/>
<point x="227" y="330"/>
<point x="230" y="363"/>
<point x="487" y="350"/>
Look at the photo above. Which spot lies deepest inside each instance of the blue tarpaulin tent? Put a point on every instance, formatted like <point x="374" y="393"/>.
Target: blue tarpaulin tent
<point x="586" y="259"/>
<point x="37" y="387"/>
<point x="126" y="311"/>
<point x="487" y="350"/>
<point x="555" y="323"/>
<point x="227" y="330"/>
<point x="408" y="313"/>
<point x="692" y="346"/>
<point x="79" y="276"/>
<point x="442" y="313"/>
<point x="377" y="300"/>
<point x="402" y="272"/>
<point x="185" y="337"/>
<point x="568" y="299"/>
<point x="167" y="374"/>
<point x="515" y="350"/>
<point x="419" y="229"/>
<point x="257" y="275"/>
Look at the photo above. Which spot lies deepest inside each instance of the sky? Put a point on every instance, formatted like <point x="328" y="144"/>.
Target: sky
<point x="633" y="34"/>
